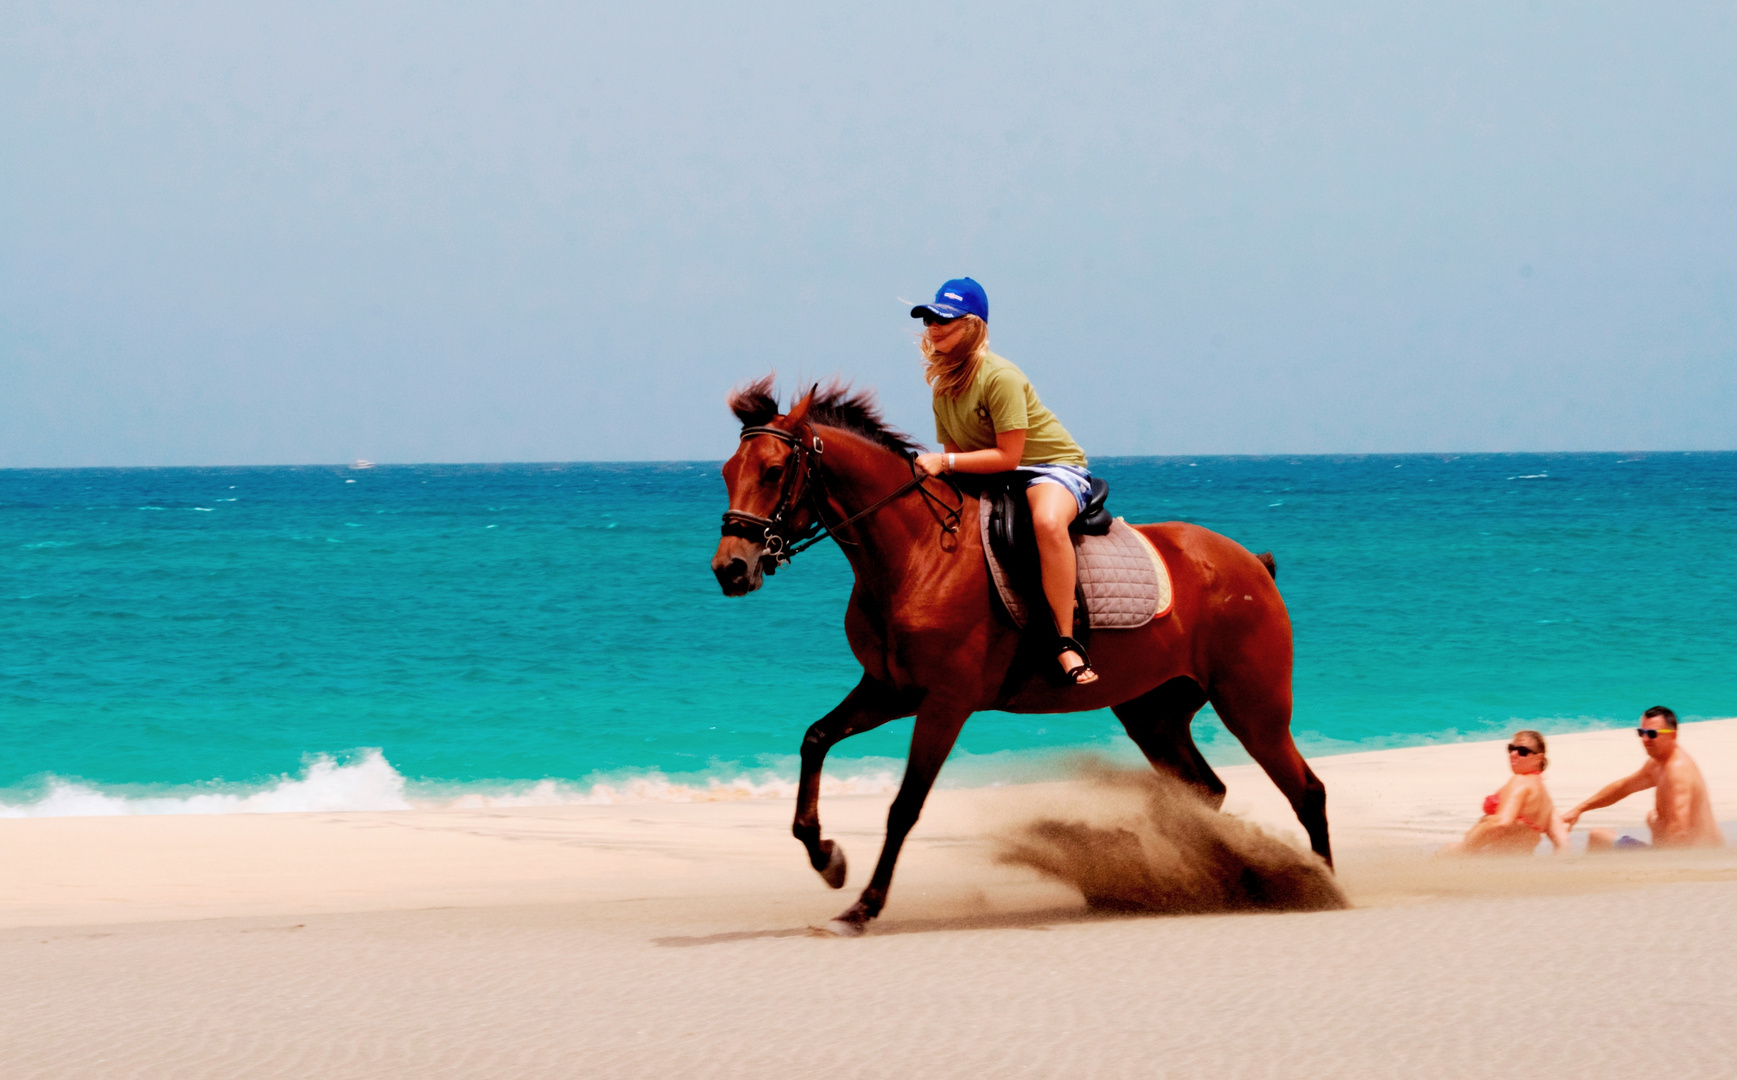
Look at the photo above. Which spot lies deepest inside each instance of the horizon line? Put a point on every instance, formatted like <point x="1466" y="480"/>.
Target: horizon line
<point x="1330" y="455"/>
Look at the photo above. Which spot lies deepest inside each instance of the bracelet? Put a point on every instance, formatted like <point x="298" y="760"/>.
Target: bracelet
<point x="950" y="462"/>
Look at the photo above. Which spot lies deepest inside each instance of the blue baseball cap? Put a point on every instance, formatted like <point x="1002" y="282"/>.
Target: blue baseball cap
<point x="961" y="296"/>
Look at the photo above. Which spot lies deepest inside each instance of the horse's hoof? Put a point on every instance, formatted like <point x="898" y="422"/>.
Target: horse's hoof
<point x="836" y="866"/>
<point x="853" y="923"/>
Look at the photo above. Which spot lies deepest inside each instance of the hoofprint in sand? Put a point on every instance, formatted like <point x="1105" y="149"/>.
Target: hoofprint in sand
<point x="644" y="939"/>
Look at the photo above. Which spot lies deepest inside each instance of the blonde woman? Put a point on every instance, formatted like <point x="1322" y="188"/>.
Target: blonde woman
<point x="989" y="420"/>
<point x="1520" y="811"/>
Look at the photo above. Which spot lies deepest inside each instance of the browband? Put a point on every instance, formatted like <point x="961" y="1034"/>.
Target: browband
<point x="783" y="436"/>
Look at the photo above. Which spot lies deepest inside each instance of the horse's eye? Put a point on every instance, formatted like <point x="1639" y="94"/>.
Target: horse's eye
<point x="774" y="473"/>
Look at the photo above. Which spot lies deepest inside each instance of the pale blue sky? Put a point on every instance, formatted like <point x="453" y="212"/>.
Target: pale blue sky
<point x="422" y="232"/>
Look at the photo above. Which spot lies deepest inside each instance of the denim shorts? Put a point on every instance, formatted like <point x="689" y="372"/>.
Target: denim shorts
<point x="1073" y="477"/>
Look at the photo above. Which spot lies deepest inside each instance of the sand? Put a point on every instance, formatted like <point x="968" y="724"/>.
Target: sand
<point x="643" y="940"/>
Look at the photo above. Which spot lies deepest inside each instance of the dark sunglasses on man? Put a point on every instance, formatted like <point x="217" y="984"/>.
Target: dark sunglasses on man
<point x="1653" y="733"/>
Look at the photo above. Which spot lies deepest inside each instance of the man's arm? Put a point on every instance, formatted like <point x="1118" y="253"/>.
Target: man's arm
<point x="1615" y="791"/>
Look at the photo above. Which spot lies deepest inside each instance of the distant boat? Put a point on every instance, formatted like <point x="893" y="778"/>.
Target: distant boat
<point x="362" y="463"/>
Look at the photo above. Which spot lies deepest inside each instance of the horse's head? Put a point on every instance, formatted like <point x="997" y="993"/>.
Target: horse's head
<point x="768" y="479"/>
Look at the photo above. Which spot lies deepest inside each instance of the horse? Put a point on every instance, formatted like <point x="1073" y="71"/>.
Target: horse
<point x="922" y="622"/>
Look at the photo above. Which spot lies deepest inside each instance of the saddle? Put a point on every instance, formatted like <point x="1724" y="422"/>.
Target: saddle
<point x="1121" y="581"/>
<point x="1010" y="531"/>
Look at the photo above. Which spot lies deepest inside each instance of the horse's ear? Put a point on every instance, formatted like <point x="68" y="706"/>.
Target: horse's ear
<point x="754" y="404"/>
<point x="799" y="411"/>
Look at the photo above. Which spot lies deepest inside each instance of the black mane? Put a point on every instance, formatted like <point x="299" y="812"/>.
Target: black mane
<point x="835" y="405"/>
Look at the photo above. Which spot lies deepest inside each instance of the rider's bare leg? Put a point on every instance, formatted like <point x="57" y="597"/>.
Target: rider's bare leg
<point x="1053" y="509"/>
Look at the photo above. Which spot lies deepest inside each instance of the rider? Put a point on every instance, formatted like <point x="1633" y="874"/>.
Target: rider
<point x="989" y="420"/>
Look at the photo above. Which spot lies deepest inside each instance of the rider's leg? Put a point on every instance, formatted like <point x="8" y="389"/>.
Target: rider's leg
<point x="1053" y="509"/>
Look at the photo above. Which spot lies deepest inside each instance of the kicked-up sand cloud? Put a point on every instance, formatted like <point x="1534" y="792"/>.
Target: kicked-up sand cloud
<point x="1140" y="841"/>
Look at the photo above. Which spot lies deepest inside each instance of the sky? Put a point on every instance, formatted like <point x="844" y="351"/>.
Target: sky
<point x="419" y="232"/>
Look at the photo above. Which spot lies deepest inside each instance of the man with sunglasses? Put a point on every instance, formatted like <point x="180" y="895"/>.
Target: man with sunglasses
<point x="1683" y="813"/>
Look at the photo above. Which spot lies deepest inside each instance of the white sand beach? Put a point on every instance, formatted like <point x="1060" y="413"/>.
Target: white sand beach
<point x="652" y="938"/>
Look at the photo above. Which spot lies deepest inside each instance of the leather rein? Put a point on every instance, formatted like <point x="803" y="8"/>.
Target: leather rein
<point x="781" y="547"/>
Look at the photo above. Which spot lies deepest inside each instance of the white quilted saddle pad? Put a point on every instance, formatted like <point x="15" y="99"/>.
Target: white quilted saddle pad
<point x="1124" y="579"/>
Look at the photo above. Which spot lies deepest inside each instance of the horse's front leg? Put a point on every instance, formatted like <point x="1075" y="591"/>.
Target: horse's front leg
<point x="867" y="707"/>
<point x="932" y="740"/>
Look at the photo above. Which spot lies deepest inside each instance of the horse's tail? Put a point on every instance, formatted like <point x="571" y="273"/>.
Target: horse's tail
<point x="1272" y="564"/>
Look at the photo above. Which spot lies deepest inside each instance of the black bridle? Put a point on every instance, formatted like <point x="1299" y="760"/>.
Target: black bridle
<point x="781" y="546"/>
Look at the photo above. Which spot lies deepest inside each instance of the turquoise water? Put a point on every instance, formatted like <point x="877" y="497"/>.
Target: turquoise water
<point x="324" y="636"/>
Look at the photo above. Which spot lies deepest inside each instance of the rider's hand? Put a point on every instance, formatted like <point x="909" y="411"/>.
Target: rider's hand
<point x="931" y="464"/>
<point x="1571" y="817"/>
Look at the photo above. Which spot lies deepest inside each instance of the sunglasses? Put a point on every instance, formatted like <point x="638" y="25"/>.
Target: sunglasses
<point x="1523" y="751"/>
<point x="936" y="320"/>
<point x="1652" y="733"/>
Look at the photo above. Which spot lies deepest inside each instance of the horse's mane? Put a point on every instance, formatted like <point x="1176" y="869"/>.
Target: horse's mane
<point x="835" y="405"/>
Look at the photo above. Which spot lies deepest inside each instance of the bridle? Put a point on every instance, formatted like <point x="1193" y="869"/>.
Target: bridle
<point x="781" y="546"/>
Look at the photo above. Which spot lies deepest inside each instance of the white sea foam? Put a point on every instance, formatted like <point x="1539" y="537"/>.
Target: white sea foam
<point x="661" y="789"/>
<point x="367" y="781"/>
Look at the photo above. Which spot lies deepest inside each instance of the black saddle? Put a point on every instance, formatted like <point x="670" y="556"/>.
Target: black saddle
<point x="1010" y="533"/>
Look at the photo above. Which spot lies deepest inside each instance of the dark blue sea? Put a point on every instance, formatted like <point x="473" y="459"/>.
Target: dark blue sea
<point x="226" y="639"/>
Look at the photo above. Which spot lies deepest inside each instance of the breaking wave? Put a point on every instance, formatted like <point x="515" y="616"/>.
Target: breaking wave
<point x="367" y="781"/>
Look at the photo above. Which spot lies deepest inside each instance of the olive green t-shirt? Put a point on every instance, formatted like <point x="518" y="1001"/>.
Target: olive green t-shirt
<point x="1000" y="398"/>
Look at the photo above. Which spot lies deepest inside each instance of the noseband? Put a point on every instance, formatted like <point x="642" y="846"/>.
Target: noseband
<point x="781" y="546"/>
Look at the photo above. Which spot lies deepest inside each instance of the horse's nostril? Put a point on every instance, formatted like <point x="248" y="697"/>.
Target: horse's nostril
<point x="734" y="572"/>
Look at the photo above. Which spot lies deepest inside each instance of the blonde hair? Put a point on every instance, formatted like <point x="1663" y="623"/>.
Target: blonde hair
<point x="951" y="372"/>
<point x="1537" y="740"/>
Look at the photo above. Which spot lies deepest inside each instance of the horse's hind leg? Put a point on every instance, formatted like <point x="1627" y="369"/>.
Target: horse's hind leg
<point x="1159" y="721"/>
<point x="867" y="707"/>
<point x="1261" y="719"/>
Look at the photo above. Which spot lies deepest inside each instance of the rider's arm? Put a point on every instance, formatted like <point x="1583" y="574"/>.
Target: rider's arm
<point x="1615" y="791"/>
<point x="1009" y="445"/>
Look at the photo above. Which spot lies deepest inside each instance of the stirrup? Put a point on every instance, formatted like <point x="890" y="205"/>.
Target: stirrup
<point x="1068" y="644"/>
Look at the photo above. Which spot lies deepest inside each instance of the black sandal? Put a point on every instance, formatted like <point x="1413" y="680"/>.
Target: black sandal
<point x="1068" y="644"/>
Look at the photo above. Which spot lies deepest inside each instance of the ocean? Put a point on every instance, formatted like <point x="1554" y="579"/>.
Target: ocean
<point x="325" y="638"/>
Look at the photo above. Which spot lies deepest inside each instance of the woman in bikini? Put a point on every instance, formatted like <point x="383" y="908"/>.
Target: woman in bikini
<point x="989" y="420"/>
<point x="1521" y="811"/>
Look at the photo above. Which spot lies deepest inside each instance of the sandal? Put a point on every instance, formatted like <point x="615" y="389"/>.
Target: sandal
<point x="1068" y="644"/>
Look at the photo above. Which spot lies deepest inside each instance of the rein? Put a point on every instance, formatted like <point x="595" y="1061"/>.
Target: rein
<point x="782" y="548"/>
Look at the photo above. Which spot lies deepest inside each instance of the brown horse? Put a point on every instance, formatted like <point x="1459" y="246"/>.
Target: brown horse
<point x="922" y="622"/>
